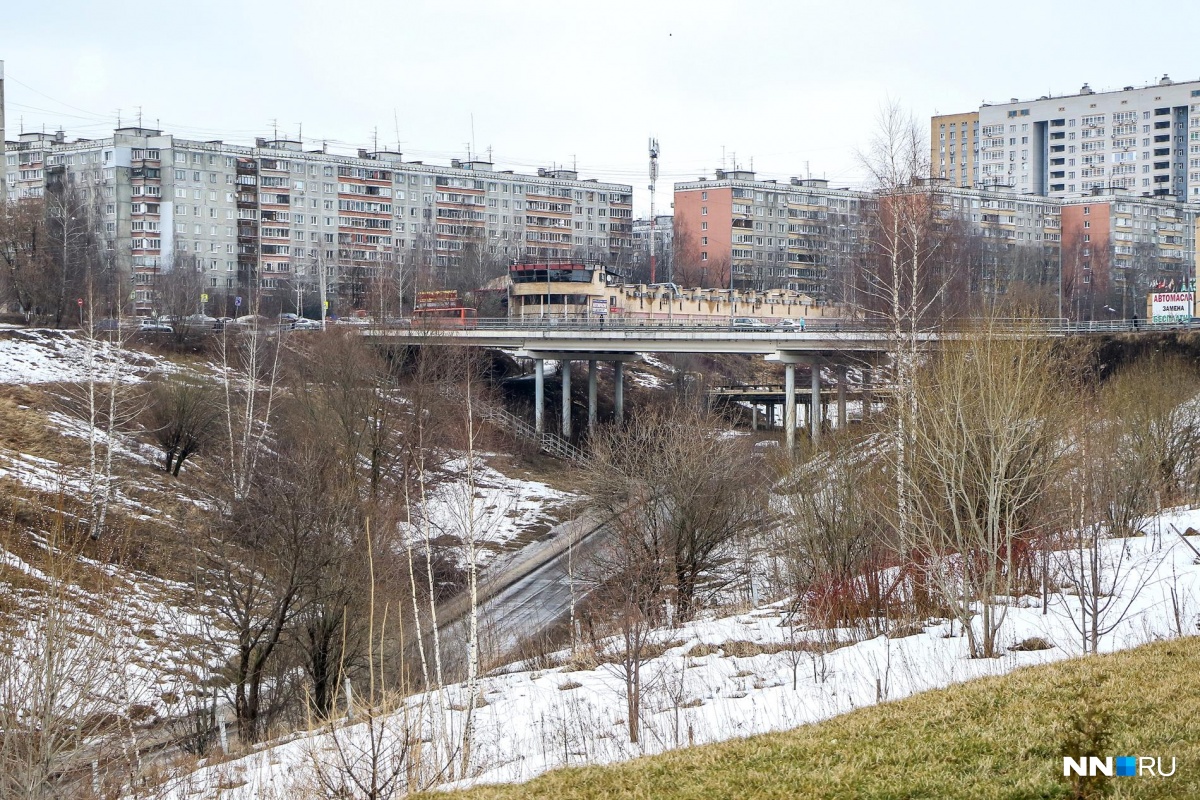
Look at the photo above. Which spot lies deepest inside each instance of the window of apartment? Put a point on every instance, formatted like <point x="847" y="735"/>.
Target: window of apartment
<point x="704" y="211"/>
<point x="704" y="195"/>
<point x="703" y="226"/>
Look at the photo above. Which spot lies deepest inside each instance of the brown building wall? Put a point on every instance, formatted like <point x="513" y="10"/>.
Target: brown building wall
<point x="1086" y="255"/>
<point x="699" y="262"/>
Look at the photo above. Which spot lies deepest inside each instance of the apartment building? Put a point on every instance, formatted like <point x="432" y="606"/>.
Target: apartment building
<point x="1145" y="139"/>
<point x="274" y="216"/>
<point x="1" y="113"/>
<point x="1118" y="246"/>
<point x="664" y="240"/>
<point x="1013" y="238"/>
<point x="954" y="148"/>
<point x="761" y="234"/>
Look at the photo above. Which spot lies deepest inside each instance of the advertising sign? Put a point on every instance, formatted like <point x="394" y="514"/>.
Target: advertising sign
<point x="599" y="306"/>
<point x="1172" y="307"/>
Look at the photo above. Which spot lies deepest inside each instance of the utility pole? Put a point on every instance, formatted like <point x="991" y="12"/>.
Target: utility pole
<point x="653" y="180"/>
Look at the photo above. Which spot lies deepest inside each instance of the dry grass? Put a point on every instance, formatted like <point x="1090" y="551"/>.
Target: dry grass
<point x="993" y="738"/>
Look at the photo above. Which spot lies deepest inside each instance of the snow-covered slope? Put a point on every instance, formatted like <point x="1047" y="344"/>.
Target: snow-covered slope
<point x="750" y="673"/>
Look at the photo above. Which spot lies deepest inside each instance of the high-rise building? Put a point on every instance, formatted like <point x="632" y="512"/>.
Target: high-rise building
<point x="762" y="234"/>
<point x="272" y="217"/>
<point x="954" y="148"/>
<point x="1144" y="139"/>
<point x="1" y="115"/>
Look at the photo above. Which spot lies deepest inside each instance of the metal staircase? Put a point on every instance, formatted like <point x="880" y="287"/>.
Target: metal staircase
<point x="549" y="443"/>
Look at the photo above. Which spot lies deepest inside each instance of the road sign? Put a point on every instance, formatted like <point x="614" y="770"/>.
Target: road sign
<point x="203" y="298"/>
<point x="79" y="302"/>
<point x="237" y="302"/>
<point x="326" y="304"/>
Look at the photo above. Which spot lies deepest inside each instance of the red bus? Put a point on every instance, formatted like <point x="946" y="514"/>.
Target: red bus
<point x="457" y="317"/>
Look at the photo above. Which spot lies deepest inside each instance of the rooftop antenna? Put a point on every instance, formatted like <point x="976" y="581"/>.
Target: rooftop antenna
<point x="118" y="117"/>
<point x="470" y="153"/>
<point x="275" y="129"/>
<point x="376" y="137"/>
<point x="300" y="134"/>
<point x="653" y="180"/>
<point x="574" y="163"/>
<point x="139" y="116"/>
<point x="489" y="154"/>
<point x="722" y="157"/>
<point x="396" y="120"/>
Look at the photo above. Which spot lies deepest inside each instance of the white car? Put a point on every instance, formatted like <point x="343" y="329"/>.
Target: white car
<point x="154" y="326"/>
<point x="305" y="324"/>
<point x="747" y="322"/>
<point x="790" y="325"/>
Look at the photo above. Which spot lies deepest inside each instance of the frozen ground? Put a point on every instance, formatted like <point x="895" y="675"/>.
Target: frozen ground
<point x="49" y="356"/>
<point x="739" y="675"/>
<point x="499" y="511"/>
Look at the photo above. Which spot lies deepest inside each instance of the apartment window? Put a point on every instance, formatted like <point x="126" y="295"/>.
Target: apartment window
<point x="704" y="195"/>
<point x="704" y="211"/>
<point x="703" y="226"/>
<point x="1087" y="209"/>
<point x="704" y="256"/>
<point x="704" y="241"/>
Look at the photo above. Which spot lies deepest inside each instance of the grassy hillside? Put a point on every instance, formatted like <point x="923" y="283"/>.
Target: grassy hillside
<point x="995" y="738"/>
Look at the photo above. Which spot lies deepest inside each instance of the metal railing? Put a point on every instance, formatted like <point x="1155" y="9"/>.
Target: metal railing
<point x="547" y="442"/>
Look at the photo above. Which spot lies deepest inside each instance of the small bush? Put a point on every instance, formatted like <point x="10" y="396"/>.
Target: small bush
<point x="1030" y="644"/>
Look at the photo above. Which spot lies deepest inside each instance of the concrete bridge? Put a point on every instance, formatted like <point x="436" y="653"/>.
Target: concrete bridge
<point x="824" y="343"/>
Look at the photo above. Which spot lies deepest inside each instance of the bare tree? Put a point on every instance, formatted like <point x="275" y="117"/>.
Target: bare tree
<point x="906" y="280"/>
<point x="182" y="418"/>
<point x="682" y="492"/>
<point x="986" y="451"/>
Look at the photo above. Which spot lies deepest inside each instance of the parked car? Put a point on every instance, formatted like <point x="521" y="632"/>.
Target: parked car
<point x="202" y="321"/>
<point x="747" y="322"/>
<point x="154" y="326"/>
<point x="790" y="325"/>
<point x="304" y="324"/>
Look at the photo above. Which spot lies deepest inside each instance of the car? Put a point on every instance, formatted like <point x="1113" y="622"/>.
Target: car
<point x="200" y="321"/>
<point x="790" y="325"/>
<point x="304" y="324"/>
<point x="747" y="322"/>
<point x="154" y="326"/>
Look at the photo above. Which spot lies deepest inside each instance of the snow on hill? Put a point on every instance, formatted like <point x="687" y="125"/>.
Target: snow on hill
<point x="749" y="673"/>
<point x="50" y="356"/>
<point x="502" y="509"/>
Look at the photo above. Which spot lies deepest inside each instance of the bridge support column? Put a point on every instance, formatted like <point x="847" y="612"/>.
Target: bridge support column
<point x="754" y="416"/>
<point x="591" y="395"/>
<point x="814" y="409"/>
<point x="841" y="395"/>
<point x="566" y="398"/>
<point x="789" y="406"/>
<point x="539" y="395"/>
<point x="619" y="390"/>
<point x="866" y="393"/>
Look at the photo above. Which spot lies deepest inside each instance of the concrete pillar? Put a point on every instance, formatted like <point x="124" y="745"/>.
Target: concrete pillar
<point x="754" y="416"/>
<point x="566" y="398"/>
<point x="866" y="393"/>
<point x="841" y="395"/>
<point x="814" y="409"/>
<point x="789" y="405"/>
<point x="619" y="389"/>
<point x="539" y="395"/>
<point x="591" y="395"/>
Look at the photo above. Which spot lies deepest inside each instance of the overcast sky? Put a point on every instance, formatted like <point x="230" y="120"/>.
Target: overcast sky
<point x="785" y="84"/>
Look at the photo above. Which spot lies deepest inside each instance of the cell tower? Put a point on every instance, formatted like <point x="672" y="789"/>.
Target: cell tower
<point x="653" y="180"/>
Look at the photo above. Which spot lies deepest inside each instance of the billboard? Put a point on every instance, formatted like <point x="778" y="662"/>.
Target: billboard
<point x="441" y="298"/>
<point x="599" y="306"/>
<point x="1172" y="307"/>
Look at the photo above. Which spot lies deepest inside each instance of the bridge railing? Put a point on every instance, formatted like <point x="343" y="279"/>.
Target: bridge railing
<point x="817" y="328"/>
